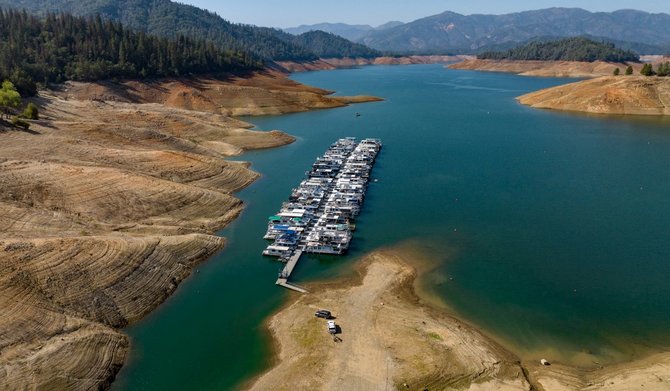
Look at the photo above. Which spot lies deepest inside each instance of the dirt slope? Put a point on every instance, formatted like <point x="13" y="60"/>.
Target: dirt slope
<point x="544" y="68"/>
<point x="108" y="202"/>
<point x="334" y="63"/>
<point x="390" y="339"/>
<point x="607" y="95"/>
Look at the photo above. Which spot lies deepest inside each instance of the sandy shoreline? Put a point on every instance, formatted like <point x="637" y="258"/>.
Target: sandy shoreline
<point x="392" y="339"/>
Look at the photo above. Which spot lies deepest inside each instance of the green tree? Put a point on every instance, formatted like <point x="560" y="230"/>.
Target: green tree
<point x="9" y="97"/>
<point x="647" y="70"/>
<point x="663" y="69"/>
<point x="629" y="70"/>
<point x="31" y="111"/>
<point x="616" y="72"/>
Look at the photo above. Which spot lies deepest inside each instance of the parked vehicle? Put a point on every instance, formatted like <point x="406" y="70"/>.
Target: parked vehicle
<point x="323" y="314"/>
<point x="332" y="328"/>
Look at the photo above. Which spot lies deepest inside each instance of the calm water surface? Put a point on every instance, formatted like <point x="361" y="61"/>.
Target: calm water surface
<point x="551" y="231"/>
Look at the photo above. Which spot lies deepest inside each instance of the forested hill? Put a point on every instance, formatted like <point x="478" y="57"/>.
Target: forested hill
<point x="63" y="47"/>
<point x="327" y="45"/>
<point x="170" y="19"/>
<point x="568" y="49"/>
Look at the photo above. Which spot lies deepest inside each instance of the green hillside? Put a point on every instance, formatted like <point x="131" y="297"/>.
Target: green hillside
<point x="327" y="45"/>
<point x="62" y="47"/>
<point x="169" y="19"/>
<point x="568" y="49"/>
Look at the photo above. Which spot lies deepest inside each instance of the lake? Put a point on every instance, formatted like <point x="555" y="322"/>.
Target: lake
<point x="549" y="231"/>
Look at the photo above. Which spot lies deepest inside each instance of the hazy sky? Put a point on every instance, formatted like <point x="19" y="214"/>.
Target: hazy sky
<point x="290" y="13"/>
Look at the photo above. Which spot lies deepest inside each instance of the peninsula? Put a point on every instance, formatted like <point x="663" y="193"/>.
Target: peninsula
<point x="394" y="338"/>
<point x="617" y="88"/>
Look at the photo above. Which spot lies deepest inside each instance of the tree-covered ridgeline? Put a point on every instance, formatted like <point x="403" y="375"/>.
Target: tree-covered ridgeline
<point x="62" y="47"/>
<point x="328" y="45"/>
<point x="168" y="19"/>
<point x="568" y="49"/>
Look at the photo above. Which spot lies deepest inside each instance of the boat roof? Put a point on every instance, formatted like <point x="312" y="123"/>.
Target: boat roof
<point x="278" y="248"/>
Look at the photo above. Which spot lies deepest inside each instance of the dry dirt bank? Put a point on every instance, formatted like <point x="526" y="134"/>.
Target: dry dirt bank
<point x="108" y="202"/>
<point x="545" y="68"/>
<point x="334" y="63"/>
<point x="637" y="95"/>
<point x="389" y="340"/>
<point x="392" y="340"/>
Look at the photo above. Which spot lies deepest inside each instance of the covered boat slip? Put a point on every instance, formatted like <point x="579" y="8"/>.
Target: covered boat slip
<point x="318" y="217"/>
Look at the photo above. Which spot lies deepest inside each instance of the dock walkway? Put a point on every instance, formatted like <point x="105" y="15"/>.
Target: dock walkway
<point x="317" y="219"/>
<point x="286" y="273"/>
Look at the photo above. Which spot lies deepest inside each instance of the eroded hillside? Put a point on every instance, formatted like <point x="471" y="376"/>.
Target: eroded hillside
<point x="637" y="95"/>
<point x="108" y="202"/>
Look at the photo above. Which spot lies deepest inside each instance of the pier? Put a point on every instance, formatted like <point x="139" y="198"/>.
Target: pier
<point x="319" y="214"/>
<point x="286" y="273"/>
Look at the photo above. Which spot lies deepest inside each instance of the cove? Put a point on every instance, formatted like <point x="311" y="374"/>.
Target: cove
<point x="550" y="231"/>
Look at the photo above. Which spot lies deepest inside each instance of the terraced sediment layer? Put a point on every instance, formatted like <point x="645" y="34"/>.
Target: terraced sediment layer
<point x="108" y="202"/>
<point x="334" y="63"/>
<point x="545" y="68"/>
<point x="638" y="95"/>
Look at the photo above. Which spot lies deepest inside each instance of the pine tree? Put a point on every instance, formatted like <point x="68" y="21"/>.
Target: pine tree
<point x="663" y="69"/>
<point x="629" y="70"/>
<point x="647" y="70"/>
<point x="616" y="72"/>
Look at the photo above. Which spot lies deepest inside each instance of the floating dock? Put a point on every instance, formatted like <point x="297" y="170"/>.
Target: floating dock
<point x="319" y="214"/>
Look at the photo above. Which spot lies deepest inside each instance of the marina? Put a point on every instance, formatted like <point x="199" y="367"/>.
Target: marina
<point x="319" y="214"/>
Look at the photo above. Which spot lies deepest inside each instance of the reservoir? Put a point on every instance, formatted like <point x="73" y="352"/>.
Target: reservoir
<point x="549" y="231"/>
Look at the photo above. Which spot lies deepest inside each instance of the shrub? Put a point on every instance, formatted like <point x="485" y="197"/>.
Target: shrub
<point x="21" y="123"/>
<point x="31" y="112"/>
<point x="647" y="70"/>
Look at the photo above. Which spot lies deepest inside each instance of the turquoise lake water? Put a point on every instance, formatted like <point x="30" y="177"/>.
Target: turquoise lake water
<point x="551" y="231"/>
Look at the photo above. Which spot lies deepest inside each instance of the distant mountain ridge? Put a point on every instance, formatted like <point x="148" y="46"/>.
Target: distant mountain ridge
<point x="352" y="32"/>
<point x="450" y="32"/>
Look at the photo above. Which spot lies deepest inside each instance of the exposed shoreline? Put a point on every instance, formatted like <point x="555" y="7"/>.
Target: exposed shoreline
<point x="110" y="201"/>
<point x="336" y="63"/>
<point x="620" y="95"/>
<point x="461" y="358"/>
<point x="601" y="93"/>
<point x="574" y="69"/>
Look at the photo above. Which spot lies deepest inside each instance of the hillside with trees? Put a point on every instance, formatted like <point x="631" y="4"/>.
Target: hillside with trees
<point x="63" y="47"/>
<point x="169" y="19"/>
<point x="568" y="49"/>
<point x="328" y="45"/>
